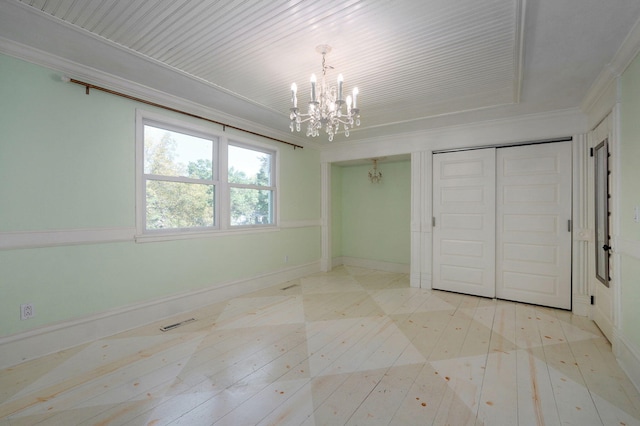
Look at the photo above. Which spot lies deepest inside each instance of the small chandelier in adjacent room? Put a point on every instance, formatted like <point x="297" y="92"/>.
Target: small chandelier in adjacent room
<point x="375" y="176"/>
<point x="326" y="105"/>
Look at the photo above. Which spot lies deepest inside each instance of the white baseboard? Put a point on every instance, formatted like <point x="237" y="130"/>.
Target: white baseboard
<point x="581" y="305"/>
<point x="42" y="341"/>
<point x="628" y="357"/>
<point x="400" y="268"/>
<point x="414" y="280"/>
<point x="426" y="280"/>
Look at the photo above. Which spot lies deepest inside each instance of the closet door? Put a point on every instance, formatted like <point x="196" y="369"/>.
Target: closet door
<point x="464" y="215"/>
<point x="533" y="233"/>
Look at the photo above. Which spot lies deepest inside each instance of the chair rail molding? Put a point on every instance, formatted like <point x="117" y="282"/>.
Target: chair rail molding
<point x="64" y="237"/>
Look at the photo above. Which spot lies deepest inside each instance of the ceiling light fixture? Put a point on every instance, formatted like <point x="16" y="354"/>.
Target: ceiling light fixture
<point x="325" y="107"/>
<point x="375" y="176"/>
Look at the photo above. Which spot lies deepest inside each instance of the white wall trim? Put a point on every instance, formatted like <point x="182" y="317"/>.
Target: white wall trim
<point x="69" y="237"/>
<point x="64" y="237"/>
<point x="626" y="247"/>
<point x="45" y="340"/>
<point x="628" y="50"/>
<point x="417" y="169"/>
<point x="614" y="206"/>
<point x="170" y="236"/>
<point x="523" y="128"/>
<point x="325" y="207"/>
<point x="378" y="265"/>
<point x="581" y="302"/>
<point x="100" y="78"/>
<point x="310" y="223"/>
<point x="581" y="305"/>
<point x="628" y="357"/>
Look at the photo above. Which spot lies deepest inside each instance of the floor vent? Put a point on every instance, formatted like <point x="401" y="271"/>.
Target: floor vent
<point x="289" y="286"/>
<point x="176" y="325"/>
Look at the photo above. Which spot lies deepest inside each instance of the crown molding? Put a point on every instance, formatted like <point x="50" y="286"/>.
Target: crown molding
<point x="626" y="53"/>
<point x="521" y="128"/>
<point x="100" y="78"/>
<point x="63" y="47"/>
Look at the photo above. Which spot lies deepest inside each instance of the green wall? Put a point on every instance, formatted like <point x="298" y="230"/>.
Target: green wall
<point x="374" y="219"/>
<point x="67" y="161"/>
<point x="629" y="198"/>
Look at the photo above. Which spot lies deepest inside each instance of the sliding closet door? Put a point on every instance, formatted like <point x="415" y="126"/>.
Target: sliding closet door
<point x="533" y="233"/>
<point x="464" y="215"/>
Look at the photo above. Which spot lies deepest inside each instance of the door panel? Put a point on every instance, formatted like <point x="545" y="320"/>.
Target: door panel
<point x="602" y="310"/>
<point x="464" y="230"/>
<point x="533" y="207"/>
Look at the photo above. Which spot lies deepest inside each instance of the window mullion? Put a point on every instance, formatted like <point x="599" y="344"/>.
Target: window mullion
<point x="179" y="179"/>
<point x="223" y="194"/>
<point x="249" y="186"/>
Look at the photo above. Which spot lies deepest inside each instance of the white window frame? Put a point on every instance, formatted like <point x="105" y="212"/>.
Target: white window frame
<point x="273" y="187"/>
<point x="222" y="200"/>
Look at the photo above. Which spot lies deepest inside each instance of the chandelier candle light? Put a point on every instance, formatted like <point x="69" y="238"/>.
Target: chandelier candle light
<point x="325" y="107"/>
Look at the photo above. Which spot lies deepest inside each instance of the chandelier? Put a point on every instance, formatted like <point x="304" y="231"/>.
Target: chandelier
<point x="375" y="175"/>
<point x="326" y="105"/>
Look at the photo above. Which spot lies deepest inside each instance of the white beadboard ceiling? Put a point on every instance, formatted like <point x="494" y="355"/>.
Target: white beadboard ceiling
<point x="412" y="60"/>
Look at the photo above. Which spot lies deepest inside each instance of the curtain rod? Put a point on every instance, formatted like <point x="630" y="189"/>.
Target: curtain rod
<point x="133" y="98"/>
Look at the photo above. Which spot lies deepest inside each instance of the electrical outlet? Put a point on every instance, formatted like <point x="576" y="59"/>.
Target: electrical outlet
<point x="26" y="311"/>
<point x="286" y="259"/>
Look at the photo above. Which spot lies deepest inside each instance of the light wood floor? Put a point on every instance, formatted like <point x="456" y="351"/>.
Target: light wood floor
<point x="353" y="346"/>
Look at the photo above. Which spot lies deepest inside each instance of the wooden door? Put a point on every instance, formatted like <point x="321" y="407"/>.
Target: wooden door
<point x="602" y="293"/>
<point x="533" y="232"/>
<point x="464" y="216"/>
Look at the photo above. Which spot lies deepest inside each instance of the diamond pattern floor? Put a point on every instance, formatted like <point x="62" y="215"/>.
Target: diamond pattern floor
<point x="353" y="346"/>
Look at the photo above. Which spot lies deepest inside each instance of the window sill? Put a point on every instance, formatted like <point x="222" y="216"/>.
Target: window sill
<point x="174" y="236"/>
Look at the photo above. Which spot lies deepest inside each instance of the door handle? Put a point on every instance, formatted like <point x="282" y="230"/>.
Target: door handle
<point x="606" y="247"/>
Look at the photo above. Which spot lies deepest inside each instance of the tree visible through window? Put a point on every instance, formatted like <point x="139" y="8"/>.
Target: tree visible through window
<point x="178" y="171"/>
<point x="182" y="184"/>
<point x="251" y="186"/>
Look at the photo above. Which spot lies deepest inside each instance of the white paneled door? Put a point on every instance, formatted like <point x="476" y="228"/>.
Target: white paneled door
<point x="600" y="285"/>
<point x="533" y="230"/>
<point x="464" y="215"/>
<point x="502" y="223"/>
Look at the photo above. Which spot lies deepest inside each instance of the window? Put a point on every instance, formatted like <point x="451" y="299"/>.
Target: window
<point x="179" y="179"/>
<point x="182" y="188"/>
<point x="251" y="189"/>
